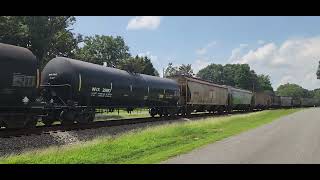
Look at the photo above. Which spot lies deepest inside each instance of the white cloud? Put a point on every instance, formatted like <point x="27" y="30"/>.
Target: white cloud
<point x="202" y="51"/>
<point x="285" y="79"/>
<point x="261" y="42"/>
<point x="244" y="45"/>
<point x="199" y="64"/>
<point x="293" y="61"/>
<point x="144" y="22"/>
<point x="237" y="52"/>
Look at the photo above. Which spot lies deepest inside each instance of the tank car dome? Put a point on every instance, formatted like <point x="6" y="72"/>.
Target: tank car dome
<point x="11" y="52"/>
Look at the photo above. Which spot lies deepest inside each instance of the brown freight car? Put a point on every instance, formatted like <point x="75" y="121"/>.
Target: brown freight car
<point x="263" y="100"/>
<point x="199" y="95"/>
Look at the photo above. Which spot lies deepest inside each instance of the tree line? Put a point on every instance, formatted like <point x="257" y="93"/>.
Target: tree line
<point x="51" y="36"/>
<point x="236" y="75"/>
<point x="295" y="90"/>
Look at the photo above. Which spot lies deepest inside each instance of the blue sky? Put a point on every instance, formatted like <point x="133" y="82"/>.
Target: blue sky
<point x="286" y="48"/>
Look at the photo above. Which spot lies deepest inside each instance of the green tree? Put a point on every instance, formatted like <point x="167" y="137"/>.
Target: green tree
<point x="292" y="90"/>
<point x="184" y="69"/>
<point x="142" y="65"/>
<point x="46" y="36"/>
<point x="170" y="70"/>
<point x="228" y="75"/>
<point x="237" y="75"/>
<point x="213" y="73"/>
<point x="100" y="49"/>
<point x="316" y="93"/>
<point x="243" y="77"/>
<point x="264" y="82"/>
<point x="149" y="68"/>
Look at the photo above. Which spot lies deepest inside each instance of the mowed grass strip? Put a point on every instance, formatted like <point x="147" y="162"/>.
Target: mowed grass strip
<point x="151" y="145"/>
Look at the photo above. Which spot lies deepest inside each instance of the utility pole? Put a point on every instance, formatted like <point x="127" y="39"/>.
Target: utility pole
<point x="162" y="72"/>
<point x="318" y="71"/>
<point x="253" y="86"/>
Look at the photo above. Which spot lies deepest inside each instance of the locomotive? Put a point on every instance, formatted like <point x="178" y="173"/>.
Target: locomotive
<point x="71" y="91"/>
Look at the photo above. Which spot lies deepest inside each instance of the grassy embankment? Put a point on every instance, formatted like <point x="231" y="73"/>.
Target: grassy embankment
<point x="151" y="145"/>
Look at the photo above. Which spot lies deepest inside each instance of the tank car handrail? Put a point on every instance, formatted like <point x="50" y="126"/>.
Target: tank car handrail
<point x="60" y="85"/>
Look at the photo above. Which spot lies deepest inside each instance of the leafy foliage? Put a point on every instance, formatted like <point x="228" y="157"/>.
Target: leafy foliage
<point x="138" y="64"/>
<point x="46" y="36"/>
<point x="293" y="90"/>
<point x="115" y="53"/>
<point x="237" y="75"/>
<point x="184" y="69"/>
<point x="101" y="48"/>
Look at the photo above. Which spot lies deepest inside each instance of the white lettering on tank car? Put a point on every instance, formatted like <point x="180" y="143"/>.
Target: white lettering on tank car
<point x="52" y="75"/>
<point x="106" y="90"/>
<point x="101" y="92"/>
<point x="95" y="89"/>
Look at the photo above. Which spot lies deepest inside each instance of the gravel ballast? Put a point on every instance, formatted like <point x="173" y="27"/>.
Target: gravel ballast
<point x="16" y="145"/>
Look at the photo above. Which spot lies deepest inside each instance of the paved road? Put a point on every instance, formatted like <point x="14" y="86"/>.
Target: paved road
<point x="291" y="139"/>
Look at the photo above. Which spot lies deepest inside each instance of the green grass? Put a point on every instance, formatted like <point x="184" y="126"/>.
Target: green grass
<point x="151" y="145"/>
<point x="123" y="114"/>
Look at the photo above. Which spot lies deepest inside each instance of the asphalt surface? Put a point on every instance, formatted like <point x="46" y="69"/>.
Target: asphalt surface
<point x="293" y="139"/>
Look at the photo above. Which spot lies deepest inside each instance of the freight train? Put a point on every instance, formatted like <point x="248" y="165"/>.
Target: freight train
<point x="71" y="91"/>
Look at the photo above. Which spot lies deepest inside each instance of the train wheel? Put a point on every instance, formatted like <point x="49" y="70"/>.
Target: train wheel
<point x="67" y="117"/>
<point x="165" y="112"/>
<point x="92" y="115"/>
<point x="152" y="112"/>
<point x="85" y="117"/>
<point x="3" y="125"/>
<point x="48" y="121"/>
<point x="160" y="112"/>
<point x="188" y="113"/>
<point x="31" y="122"/>
<point x="172" y="112"/>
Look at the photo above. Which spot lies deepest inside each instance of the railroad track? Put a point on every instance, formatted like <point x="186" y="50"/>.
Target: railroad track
<point x="8" y="133"/>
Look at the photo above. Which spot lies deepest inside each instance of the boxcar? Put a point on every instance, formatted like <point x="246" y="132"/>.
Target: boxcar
<point x="263" y="100"/>
<point x="286" y="101"/>
<point x="200" y="95"/>
<point x="317" y="102"/>
<point x="296" y="102"/>
<point x="275" y="101"/>
<point x="240" y="99"/>
<point x="308" y="102"/>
